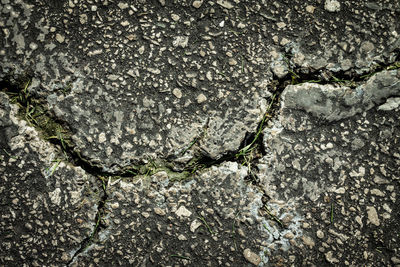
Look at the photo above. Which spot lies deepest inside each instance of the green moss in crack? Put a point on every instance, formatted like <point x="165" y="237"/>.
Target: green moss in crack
<point x="36" y="113"/>
<point x="151" y="167"/>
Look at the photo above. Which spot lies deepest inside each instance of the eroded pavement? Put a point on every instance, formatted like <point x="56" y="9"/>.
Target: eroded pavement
<point x="231" y="133"/>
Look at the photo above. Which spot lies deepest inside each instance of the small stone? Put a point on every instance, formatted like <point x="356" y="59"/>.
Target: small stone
<point x="83" y="18"/>
<point x="225" y="4"/>
<point x="125" y="23"/>
<point x="33" y="46"/>
<point x="159" y="211"/>
<point x="281" y="25"/>
<point x="329" y="257"/>
<point x="181" y="41"/>
<point x="197" y="4"/>
<point x="284" y="41"/>
<point x="175" y="17"/>
<point x="377" y="192"/>
<point x="201" y="98"/>
<point x="102" y="137"/>
<point x="391" y="103"/>
<point x="332" y="5"/>
<point x="182" y="237"/>
<point x="114" y="205"/>
<point x="183" y="212"/>
<point x="340" y="190"/>
<point x="308" y="241"/>
<point x="194" y="225"/>
<point x="60" y="38"/>
<point x="241" y="25"/>
<point x="177" y="93"/>
<point x="395" y="260"/>
<point x="373" y="216"/>
<point x="251" y="257"/>
<point x="310" y="9"/>
<point x="122" y="5"/>
<point x="232" y="62"/>
<point x="209" y="76"/>
<point x="280" y="70"/>
<point x="320" y="234"/>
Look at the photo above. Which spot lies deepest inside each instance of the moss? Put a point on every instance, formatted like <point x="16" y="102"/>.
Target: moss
<point x="36" y="113"/>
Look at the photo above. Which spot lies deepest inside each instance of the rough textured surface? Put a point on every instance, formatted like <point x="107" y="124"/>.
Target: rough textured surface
<point x="137" y="79"/>
<point x="211" y="220"/>
<point x="341" y="169"/>
<point x="48" y="207"/>
<point x="190" y="84"/>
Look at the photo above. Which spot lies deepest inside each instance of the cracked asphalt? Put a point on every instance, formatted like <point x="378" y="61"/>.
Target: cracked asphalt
<point x="188" y="133"/>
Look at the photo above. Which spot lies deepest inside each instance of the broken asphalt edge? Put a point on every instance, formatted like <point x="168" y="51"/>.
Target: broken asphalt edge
<point x="249" y="152"/>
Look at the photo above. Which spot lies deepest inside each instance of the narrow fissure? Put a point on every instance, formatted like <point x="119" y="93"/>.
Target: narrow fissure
<point x="97" y="227"/>
<point x="250" y="151"/>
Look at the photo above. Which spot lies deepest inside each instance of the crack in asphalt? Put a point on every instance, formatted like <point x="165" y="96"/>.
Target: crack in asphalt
<point x="249" y="152"/>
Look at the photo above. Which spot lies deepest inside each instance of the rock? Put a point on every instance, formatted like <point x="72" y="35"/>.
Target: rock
<point x="391" y="104"/>
<point x="308" y="241"/>
<point x="310" y="9"/>
<point x="320" y="234"/>
<point x="159" y="211"/>
<point x="251" y="257"/>
<point x="224" y="3"/>
<point x="329" y="257"/>
<point x="181" y="41"/>
<point x="194" y="225"/>
<point x="197" y="3"/>
<point x="280" y="69"/>
<point x="123" y="5"/>
<point x="60" y="38"/>
<point x="232" y="62"/>
<point x="395" y="260"/>
<point x="175" y="17"/>
<point x="183" y="212"/>
<point x="373" y="216"/>
<point x="177" y="93"/>
<point x="201" y="98"/>
<point x="332" y="5"/>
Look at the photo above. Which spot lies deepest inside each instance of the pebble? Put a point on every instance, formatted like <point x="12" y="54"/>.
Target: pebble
<point x="175" y="17"/>
<point x="159" y="211"/>
<point x="83" y="18"/>
<point x="251" y="257"/>
<point x="60" y="38"/>
<point x="332" y="5"/>
<point x="183" y="212"/>
<point x="395" y="260"/>
<point x="194" y="225"/>
<point x="310" y="9"/>
<point x="123" y="5"/>
<point x="102" y="137"/>
<point x="201" y="98"/>
<point x="320" y="234"/>
<point x="329" y="257"/>
<point x="225" y="4"/>
<point x="197" y="4"/>
<point x="232" y="62"/>
<point x="373" y="216"/>
<point x="177" y="93"/>
<point x="308" y="241"/>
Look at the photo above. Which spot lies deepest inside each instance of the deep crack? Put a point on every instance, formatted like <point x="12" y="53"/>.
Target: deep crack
<point x="250" y="151"/>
